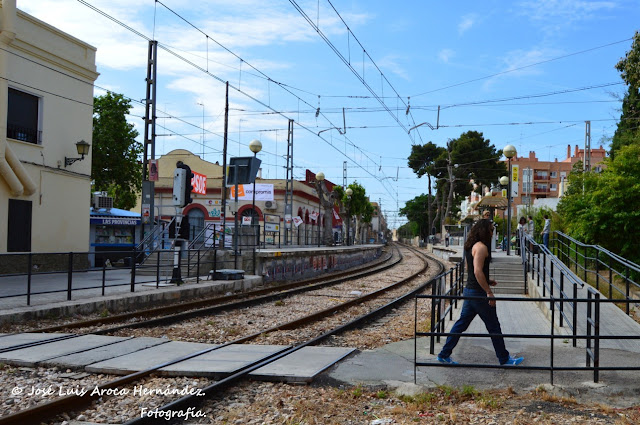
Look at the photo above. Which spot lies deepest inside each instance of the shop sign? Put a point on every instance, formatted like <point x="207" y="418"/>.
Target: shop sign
<point x="116" y="221"/>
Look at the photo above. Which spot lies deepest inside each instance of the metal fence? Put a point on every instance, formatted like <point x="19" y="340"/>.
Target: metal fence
<point x="35" y="274"/>
<point x="559" y="287"/>
<point x="599" y="267"/>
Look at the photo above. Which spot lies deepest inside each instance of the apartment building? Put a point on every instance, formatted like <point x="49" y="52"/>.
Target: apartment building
<point x="547" y="179"/>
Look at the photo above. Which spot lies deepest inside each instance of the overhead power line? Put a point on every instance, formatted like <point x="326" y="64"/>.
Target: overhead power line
<point x="523" y="67"/>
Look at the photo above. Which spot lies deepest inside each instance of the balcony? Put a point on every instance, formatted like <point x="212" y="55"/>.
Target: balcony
<point x="24" y="134"/>
<point x="538" y="177"/>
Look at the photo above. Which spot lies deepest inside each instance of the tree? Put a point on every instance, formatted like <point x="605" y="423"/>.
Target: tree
<point x="115" y="165"/>
<point x="629" y="68"/>
<point x="604" y="208"/>
<point x="359" y="207"/>
<point x="422" y="161"/>
<point x="416" y="212"/>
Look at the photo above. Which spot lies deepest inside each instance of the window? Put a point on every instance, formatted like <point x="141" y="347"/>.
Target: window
<point x="23" y="117"/>
<point x="554" y="174"/>
<point x="553" y="187"/>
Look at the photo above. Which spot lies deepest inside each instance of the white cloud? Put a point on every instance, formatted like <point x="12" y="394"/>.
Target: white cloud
<point x="556" y="14"/>
<point x="466" y="23"/>
<point x="445" y="55"/>
<point x="391" y="63"/>
<point x="517" y="59"/>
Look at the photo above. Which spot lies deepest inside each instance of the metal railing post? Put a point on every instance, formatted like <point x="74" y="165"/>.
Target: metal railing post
<point x="544" y="273"/>
<point x="610" y="278"/>
<point x="561" y="297"/>
<point x="133" y="270"/>
<point x="553" y="312"/>
<point x="158" y="268"/>
<point x="69" y="276"/>
<point x="575" y="315"/>
<point x="433" y="317"/>
<point x="104" y="276"/>
<point x="198" y="267"/>
<point x="626" y="281"/>
<point x="29" y="267"/>
<point x="597" y="269"/>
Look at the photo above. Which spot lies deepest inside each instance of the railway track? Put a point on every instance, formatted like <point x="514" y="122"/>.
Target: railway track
<point x="185" y="310"/>
<point x="75" y="402"/>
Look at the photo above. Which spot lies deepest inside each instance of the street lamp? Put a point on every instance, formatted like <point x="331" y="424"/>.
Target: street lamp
<point x="509" y="152"/>
<point x="319" y="179"/>
<point x="83" y="149"/>
<point x="349" y="192"/>
<point x="255" y="146"/>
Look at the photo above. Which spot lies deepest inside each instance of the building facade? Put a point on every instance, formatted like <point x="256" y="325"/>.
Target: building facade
<point x="46" y="107"/>
<point x="537" y="181"/>
<point x="207" y="208"/>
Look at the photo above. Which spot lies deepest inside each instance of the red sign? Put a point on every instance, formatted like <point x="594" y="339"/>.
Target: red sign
<point x="199" y="183"/>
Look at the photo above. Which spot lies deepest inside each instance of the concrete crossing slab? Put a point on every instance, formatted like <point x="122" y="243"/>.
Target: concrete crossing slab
<point x="222" y="362"/>
<point x="8" y="341"/>
<point x="144" y="359"/>
<point x="85" y="358"/>
<point x="32" y="356"/>
<point x="302" y="365"/>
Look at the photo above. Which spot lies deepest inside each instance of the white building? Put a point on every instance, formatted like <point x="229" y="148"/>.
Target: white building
<point x="46" y="107"/>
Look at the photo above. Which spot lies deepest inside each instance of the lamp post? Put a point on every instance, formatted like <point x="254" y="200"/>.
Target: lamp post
<point x="319" y="179"/>
<point x="509" y="152"/>
<point x="255" y="146"/>
<point x="349" y="192"/>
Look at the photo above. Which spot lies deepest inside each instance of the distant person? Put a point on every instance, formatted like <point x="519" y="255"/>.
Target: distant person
<point x="522" y="230"/>
<point x="532" y="227"/>
<point x="476" y="251"/>
<point x="446" y="238"/>
<point x="545" y="231"/>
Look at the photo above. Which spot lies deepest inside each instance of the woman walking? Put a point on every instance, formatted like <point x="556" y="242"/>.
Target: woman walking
<point x="476" y="249"/>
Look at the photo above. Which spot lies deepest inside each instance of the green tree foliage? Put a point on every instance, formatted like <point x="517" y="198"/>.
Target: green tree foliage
<point x="416" y="212"/>
<point x="604" y="208"/>
<point x="422" y="161"/>
<point x="468" y="156"/>
<point x="115" y="165"/>
<point x="629" y="68"/>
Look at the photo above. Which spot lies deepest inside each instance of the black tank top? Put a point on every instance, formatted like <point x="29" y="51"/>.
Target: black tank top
<point x="472" y="282"/>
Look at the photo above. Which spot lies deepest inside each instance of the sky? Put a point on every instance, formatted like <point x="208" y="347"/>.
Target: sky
<point x="357" y="76"/>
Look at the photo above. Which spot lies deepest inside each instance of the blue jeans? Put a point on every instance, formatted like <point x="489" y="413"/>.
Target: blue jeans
<point x="488" y="314"/>
<point x="545" y="240"/>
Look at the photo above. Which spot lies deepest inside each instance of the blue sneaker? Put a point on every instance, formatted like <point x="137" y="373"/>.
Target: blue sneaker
<point x="446" y="360"/>
<point x="513" y="361"/>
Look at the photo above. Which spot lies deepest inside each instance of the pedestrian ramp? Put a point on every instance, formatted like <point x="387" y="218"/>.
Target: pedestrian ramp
<point x="125" y="355"/>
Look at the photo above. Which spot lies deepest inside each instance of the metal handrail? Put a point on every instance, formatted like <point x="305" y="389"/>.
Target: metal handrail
<point x="576" y="254"/>
<point x="153" y="235"/>
<point x="532" y="251"/>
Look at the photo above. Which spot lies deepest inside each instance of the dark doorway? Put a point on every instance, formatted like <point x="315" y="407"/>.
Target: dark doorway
<point x="19" y="226"/>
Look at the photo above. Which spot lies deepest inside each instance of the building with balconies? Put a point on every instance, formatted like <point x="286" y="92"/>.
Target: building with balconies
<point x="539" y="180"/>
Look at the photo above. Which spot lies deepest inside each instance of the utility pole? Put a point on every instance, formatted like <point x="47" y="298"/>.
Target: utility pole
<point x="344" y="175"/>
<point x="224" y="168"/>
<point x="586" y="166"/>
<point x="288" y="193"/>
<point x="148" y="187"/>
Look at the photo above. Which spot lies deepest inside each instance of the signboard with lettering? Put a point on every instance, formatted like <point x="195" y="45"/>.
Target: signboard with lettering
<point x="199" y="183"/>
<point x="116" y="221"/>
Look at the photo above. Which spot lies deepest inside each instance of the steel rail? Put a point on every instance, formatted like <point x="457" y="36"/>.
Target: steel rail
<point x="75" y="402"/>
